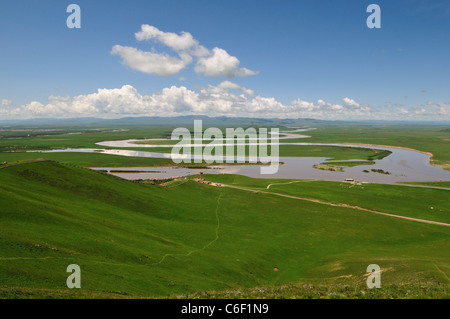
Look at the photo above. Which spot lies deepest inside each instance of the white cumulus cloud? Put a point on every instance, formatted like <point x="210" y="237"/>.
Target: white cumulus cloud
<point x="220" y="63"/>
<point x="177" y="42"/>
<point x="213" y="63"/>
<point x="226" y="86"/>
<point x="6" y="102"/>
<point x="322" y="109"/>
<point x="149" y="62"/>
<point x="224" y="99"/>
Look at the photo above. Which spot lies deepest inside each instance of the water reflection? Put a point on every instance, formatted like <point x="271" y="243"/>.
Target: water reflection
<point x="403" y="165"/>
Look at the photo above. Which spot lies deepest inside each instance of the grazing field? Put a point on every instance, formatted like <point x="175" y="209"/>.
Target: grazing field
<point x="308" y="239"/>
<point x="350" y="163"/>
<point x="13" y="147"/>
<point x="333" y="152"/>
<point x="434" y="184"/>
<point x="432" y="138"/>
<point x="139" y="240"/>
<point x="107" y="160"/>
<point x="87" y="159"/>
<point x="86" y="139"/>
<point x="328" y="168"/>
<point x="424" y="203"/>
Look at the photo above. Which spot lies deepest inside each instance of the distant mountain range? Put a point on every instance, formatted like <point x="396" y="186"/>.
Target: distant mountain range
<point x="188" y="120"/>
<point x="141" y="121"/>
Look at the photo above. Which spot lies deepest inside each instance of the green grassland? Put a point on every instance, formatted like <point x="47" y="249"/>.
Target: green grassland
<point x="350" y="163"/>
<point x="107" y="160"/>
<point x="139" y="240"/>
<point x="333" y="152"/>
<point x="87" y="159"/>
<point x="417" y="202"/>
<point x="192" y="240"/>
<point x="87" y="139"/>
<point x="15" y="149"/>
<point x="434" y="184"/>
<point x="432" y="138"/>
<point x="308" y="291"/>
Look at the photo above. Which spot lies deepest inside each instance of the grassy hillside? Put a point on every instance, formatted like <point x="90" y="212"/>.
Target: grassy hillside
<point x="142" y="240"/>
<point x="417" y="202"/>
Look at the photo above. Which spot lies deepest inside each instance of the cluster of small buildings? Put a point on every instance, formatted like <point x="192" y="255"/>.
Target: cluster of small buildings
<point x="351" y="180"/>
<point x="203" y="181"/>
<point x="160" y="181"/>
<point x="166" y="178"/>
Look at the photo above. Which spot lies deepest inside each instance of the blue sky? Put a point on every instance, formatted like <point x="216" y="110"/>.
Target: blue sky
<point x="311" y="58"/>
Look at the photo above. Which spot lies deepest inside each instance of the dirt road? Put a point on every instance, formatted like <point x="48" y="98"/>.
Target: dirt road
<point x="340" y="205"/>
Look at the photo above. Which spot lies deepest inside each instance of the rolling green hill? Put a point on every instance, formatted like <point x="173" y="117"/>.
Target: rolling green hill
<point x="142" y="240"/>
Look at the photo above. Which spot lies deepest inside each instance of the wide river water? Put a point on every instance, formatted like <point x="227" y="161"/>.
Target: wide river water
<point x="404" y="165"/>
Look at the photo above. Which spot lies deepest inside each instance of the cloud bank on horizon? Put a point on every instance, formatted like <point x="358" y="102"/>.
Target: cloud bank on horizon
<point x="225" y="99"/>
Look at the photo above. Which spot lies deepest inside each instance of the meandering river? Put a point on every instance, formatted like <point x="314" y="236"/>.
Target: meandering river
<point x="404" y="165"/>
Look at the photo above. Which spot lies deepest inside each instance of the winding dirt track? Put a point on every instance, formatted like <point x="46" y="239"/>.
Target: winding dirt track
<point x="424" y="221"/>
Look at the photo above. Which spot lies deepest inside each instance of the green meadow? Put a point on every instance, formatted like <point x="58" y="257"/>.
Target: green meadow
<point x="139" y="240"/>
<point x="87" y="159"/>
<point x="350" y="163"/>
<point x="430" y="204"/>
<point x="431" y="138"/>
<point x="107" y="160"/>
<point x="264" y="238"/>
<point x="14" y="147"/>
<point x="434" y="184"/>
